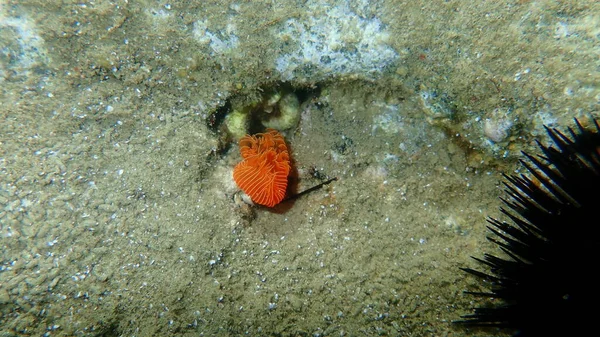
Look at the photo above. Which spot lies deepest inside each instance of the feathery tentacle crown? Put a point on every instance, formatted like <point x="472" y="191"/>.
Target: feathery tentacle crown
<point x="263" y="173"/>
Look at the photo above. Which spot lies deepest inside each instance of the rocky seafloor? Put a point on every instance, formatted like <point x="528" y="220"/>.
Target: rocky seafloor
<point x="118" y="212"/>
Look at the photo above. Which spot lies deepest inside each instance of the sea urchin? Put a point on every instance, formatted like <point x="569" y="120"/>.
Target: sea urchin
<point x="546" y="283"/>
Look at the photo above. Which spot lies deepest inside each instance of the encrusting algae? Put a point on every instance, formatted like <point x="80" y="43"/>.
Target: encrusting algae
<point x="263" y="172"/>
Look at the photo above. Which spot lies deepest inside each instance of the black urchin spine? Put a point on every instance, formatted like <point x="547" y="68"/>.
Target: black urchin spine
<point x="546" y="284"/>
